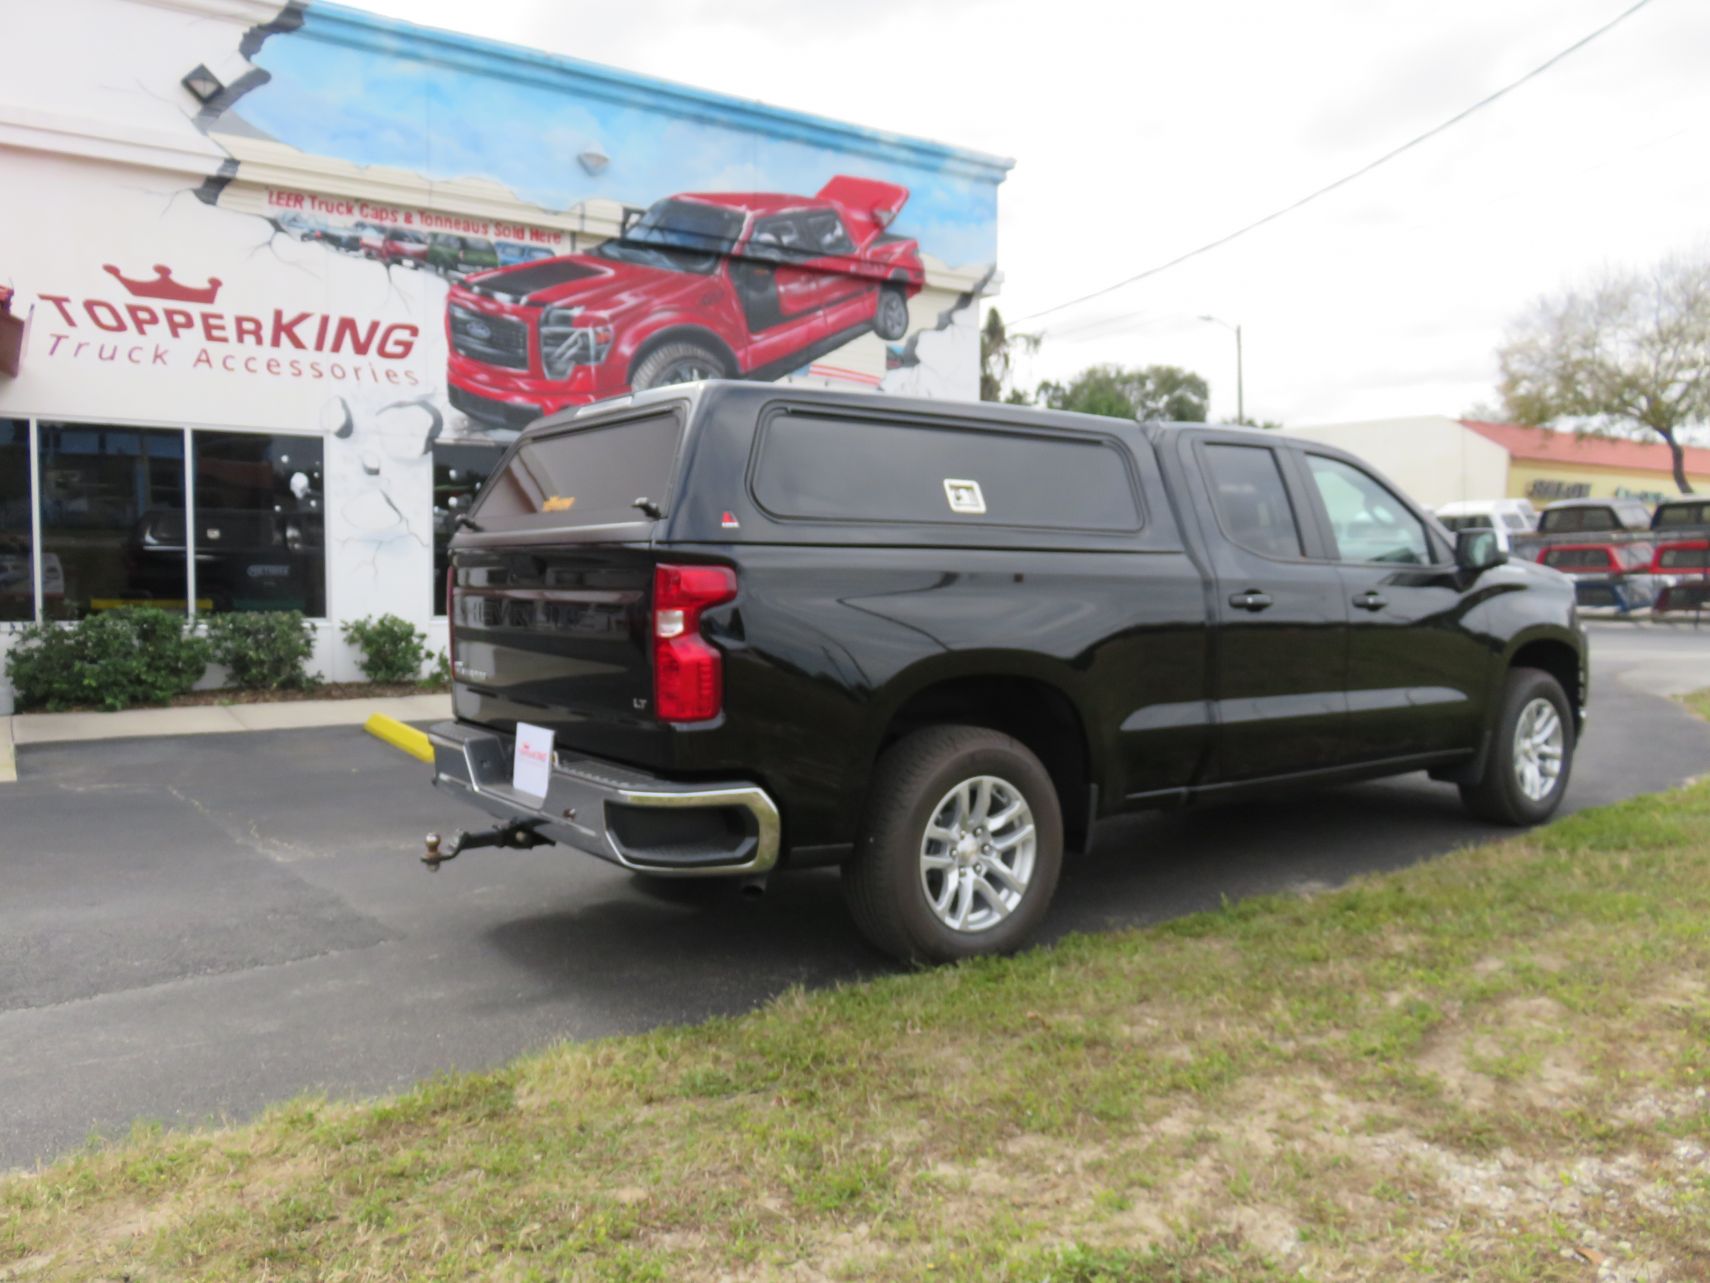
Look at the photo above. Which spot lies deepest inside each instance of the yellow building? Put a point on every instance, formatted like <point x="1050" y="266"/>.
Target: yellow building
<point x="1544" y="466"/>
<point x="1440" y="460"/>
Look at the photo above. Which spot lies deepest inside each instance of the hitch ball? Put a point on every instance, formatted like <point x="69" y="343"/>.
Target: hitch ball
<point x="431" y="856"/>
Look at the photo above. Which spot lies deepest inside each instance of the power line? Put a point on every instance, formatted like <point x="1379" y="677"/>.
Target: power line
<point x="1343" y="181"/>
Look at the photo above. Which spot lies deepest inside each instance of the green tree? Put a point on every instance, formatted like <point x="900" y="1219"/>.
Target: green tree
<point x="1139" y="392"/>
<point x="998" y="351"/>
<point x="1630" y="350"/>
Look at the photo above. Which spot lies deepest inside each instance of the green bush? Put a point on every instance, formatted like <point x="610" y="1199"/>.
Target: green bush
<point x="113" y="659"/>
<point x="393" y="650"/>
<point x="439" y="676"/>
<point x="264" y="650"/>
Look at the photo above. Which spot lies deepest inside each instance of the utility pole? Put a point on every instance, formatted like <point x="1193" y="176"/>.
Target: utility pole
<point x="1240" y="376"/>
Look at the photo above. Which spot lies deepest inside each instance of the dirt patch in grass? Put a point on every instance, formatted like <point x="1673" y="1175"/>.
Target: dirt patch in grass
<point x="1492" y="1066"/>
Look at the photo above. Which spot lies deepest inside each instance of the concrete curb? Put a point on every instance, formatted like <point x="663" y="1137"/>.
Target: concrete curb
<point x="62" y="728"/>
<point x="406" y="739"/>
<point x="8" y="759"/>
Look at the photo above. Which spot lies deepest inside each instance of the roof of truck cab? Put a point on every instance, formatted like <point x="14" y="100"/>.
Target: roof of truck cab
<point x="711" y="391"/>
<point x="1594" y="502"/>
<point x="756" y="202"/>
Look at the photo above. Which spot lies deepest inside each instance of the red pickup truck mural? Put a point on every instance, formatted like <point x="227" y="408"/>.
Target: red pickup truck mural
<point x="728" y="285"/>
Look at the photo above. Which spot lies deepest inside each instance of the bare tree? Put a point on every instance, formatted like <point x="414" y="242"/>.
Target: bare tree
<point x="1631" y="349"/>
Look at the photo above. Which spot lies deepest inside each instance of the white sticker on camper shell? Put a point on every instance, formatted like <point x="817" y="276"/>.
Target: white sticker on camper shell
<point x="964" y="496"/>
<point x="531" y="773"/>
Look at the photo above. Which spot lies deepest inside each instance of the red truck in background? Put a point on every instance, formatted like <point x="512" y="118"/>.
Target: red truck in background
<point x="701" y="286"/>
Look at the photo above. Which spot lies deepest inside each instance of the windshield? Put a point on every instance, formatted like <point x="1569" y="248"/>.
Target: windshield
<point x="678" y="235"/>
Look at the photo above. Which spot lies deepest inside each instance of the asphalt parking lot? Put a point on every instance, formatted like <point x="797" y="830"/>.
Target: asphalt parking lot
<point x="193" y="928"/>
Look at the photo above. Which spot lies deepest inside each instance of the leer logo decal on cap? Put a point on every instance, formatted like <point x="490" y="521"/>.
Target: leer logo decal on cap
<point x="729" y="521"/>
<point x="964" y="496"/>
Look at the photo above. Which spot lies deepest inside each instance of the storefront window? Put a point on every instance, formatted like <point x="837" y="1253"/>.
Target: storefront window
<point x="17" y="570"/>
<point x="112" y="518"/>
<point x="458" y="472"/>
<point x="260" y="523"/>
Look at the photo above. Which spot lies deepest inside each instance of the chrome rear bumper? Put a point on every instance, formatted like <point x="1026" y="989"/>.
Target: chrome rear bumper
<point x="615" y="812"/>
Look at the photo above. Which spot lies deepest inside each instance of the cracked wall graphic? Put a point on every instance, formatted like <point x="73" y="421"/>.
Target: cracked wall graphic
<point x="299" y="218"/>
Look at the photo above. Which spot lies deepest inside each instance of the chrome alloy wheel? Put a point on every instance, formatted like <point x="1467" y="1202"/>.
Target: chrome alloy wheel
<point x="978" y="853"/>
<point x="1539" y="742"/>
<point x="690" y="369"/>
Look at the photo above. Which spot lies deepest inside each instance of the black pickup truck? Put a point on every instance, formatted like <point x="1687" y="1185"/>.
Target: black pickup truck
<point x="739" y="628"/>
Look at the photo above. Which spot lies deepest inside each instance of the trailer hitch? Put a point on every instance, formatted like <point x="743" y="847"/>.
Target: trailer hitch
<point x="518" y="834"/>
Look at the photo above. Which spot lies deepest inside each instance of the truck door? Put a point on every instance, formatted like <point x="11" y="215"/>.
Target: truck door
<point x="1418" y="673"/>
<point x="1280" y="642"/>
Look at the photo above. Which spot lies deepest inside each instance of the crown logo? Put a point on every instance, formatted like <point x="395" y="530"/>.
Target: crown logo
<point x="164" y="287"/>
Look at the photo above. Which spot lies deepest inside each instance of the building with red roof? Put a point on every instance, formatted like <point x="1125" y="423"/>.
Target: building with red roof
<point x="1438" y="460"/>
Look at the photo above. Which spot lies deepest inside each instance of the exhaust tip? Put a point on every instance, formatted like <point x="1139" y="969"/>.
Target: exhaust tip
<point x="753" y="888"/>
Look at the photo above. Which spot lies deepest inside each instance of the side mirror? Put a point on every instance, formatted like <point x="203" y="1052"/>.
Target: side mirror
<point x="1477" y="550"/>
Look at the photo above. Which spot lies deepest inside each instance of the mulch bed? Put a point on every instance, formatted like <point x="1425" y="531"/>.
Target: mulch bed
<point x="326" y="690"/>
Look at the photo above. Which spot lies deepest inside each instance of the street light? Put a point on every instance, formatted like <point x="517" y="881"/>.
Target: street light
<point x="1240" y="393"/>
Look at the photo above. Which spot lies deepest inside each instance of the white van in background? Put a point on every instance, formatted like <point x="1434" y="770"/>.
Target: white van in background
<point x="1508" y="517"/>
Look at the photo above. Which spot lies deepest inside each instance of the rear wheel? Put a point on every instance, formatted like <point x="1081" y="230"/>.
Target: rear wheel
<point x="960" y="847"/>
<point x="890" y="317"/>
<point x="680" y="361"/>
<point x="1531" y="757"/>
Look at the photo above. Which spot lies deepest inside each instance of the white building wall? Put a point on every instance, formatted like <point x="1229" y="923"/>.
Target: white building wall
<point x="110" y="170"/>
<point x="1434" y="458"/>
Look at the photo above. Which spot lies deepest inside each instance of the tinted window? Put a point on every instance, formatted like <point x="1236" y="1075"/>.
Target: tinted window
<point x="824" y="233"/>
<point x="458" y="472"/>
<point x="780" y="240"/>
<point x="1467" y="523"/>
<point x="1682" y="514"/>
<point x="1683" y="558"/>
<point x="857" y="470"/>
<point x="1577" y="558"/>
<point x="585" y="477"/>
<point x="112" y="518"/>
<point x="260" y="523"/>
<point x="1368" y="521"/>
<point x="1514" y="521"/>
<point x="17" y="569"/>
<point x="1560" y="519"/>
<point x="1251" y="500"/>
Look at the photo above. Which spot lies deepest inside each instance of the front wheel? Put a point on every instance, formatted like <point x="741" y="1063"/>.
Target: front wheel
<point x="680" y="361"/>
<point x="960" y="847"/>
<point x="1531" y="757"/>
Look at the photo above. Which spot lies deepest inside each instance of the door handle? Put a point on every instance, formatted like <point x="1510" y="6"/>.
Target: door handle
<point x="1371" y="599"/>
<point x="1252" y="600"/>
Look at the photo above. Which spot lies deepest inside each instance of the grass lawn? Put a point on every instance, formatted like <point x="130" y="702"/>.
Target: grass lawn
<point x="1493" y="1066"/>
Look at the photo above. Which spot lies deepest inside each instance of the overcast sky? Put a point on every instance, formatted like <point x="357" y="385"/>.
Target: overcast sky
<point x="1143" y="129"/>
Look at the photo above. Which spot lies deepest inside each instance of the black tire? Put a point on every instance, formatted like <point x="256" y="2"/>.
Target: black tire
<point x="679" y="361"/>
<point x="1500" y="794"/>
<point x="890" y="313"/>
<point x="883" y="882"/>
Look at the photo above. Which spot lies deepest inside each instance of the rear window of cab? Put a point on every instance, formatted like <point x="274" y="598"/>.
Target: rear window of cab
<point x="822" y="468"/>
<point x="589" y="476"/>
<point x="1673" y="516"/>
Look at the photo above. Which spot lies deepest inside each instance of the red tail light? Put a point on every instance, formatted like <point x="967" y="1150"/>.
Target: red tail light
<point x="688" y="674"/>
<point x="451" y="620"/>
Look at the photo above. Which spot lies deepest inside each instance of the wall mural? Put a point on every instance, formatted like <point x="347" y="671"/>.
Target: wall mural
<point x="402" y="238"/>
